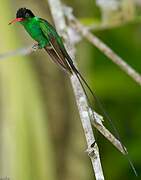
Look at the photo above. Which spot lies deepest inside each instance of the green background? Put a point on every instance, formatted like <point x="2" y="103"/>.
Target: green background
<point x="41" y="135"/>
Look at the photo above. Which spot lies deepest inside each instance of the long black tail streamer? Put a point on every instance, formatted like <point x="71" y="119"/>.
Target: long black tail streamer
<point x="82" y="80"/>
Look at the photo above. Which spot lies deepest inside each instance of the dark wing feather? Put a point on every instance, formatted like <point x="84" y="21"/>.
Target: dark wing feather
<point x="54" y="47"/>
<point x="55" y="57"/>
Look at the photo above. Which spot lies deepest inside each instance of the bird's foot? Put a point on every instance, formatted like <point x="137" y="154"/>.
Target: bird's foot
<point x="35" y="47"/>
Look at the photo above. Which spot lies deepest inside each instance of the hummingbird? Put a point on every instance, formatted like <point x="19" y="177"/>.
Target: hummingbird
<point x="47" y="37"/>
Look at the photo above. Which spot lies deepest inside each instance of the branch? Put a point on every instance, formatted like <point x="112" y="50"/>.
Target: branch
<point x="18" y="52"/>
<point x="109" y="10"/>
<point x="97" y="123"/>
<point x="103" y="47"/>
<point x="59" y="19"/>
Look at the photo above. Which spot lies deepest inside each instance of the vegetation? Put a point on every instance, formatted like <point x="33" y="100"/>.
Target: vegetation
<point x="41" y="135"/>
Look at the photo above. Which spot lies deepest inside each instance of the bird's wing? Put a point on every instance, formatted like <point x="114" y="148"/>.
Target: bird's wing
<point x="55" y="57"/>
<point x="55" y="45"/>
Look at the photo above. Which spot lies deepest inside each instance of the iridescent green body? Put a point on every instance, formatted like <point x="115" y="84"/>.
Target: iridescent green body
<point x="41" y="31"/>
<point x="47" y="37"/>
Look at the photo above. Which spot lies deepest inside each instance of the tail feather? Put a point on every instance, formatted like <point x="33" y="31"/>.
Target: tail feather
<point x="62" y="58"/>
<point x="82" y="80"/>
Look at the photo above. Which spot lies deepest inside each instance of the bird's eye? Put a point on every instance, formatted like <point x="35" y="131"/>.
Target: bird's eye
<point x="27" y="15"/>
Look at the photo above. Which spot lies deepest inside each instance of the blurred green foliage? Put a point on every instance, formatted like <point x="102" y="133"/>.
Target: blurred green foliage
<point x="41" y="135"/>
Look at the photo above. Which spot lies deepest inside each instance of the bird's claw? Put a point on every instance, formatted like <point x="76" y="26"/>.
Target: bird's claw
<point x="35" y="47"/>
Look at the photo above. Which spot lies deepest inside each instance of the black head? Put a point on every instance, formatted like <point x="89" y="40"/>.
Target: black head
<point x="24" y="13"/>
